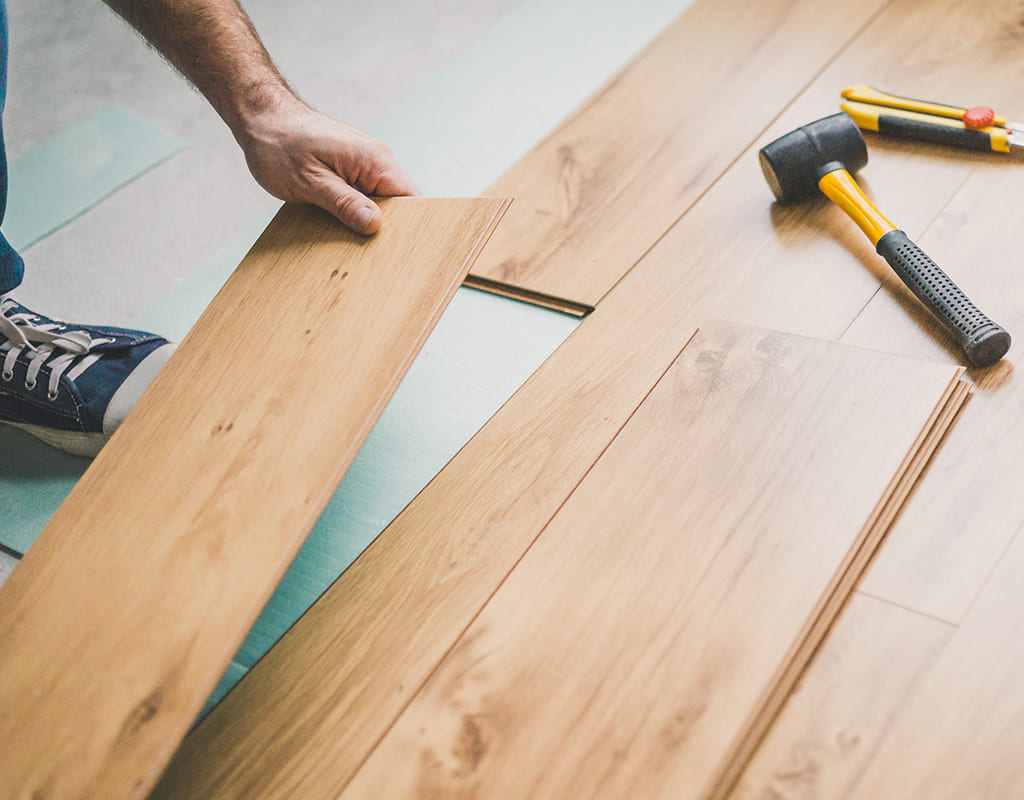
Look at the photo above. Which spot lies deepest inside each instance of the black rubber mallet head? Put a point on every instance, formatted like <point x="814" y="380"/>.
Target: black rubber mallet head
<point x="794" y="163"/>
<point x="822" y="156"/>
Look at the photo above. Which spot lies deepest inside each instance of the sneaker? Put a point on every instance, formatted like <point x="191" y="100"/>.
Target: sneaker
<point x="72" y="385"/>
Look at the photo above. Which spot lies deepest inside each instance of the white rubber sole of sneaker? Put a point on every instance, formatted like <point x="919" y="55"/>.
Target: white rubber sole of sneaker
<point x="76" y="443"/>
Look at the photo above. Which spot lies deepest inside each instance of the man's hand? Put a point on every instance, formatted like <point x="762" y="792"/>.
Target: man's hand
<point x="294" y="153"/>
<point x="297" y="154"/>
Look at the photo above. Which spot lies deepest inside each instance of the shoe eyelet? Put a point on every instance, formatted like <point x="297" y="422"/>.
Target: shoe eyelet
<point x="51" y="396"/>
<point x="7" y="376"/>
<point x="30" y="385"/>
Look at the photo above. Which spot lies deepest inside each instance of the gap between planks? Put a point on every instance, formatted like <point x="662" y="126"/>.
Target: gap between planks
<point x="572" y="307"/>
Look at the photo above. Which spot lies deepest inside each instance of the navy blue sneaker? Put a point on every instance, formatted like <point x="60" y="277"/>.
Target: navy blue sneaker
<point x="72" y="385"/>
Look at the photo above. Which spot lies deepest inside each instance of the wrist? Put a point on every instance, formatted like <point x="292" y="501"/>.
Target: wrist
<point x="252" y="107"/>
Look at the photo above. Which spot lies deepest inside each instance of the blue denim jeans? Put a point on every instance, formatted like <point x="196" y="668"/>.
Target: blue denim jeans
<point x="11" y="266"/>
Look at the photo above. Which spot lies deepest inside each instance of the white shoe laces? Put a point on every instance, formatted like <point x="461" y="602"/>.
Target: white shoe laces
<point x="70" y="350"/>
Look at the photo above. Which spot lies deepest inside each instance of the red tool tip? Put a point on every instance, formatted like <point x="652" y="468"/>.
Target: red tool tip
<point x="979" y="117"/>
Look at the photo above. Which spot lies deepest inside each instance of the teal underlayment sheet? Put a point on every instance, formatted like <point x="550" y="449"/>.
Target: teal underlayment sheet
<point x="457" y="133"/>
<point x="68" y="174"/>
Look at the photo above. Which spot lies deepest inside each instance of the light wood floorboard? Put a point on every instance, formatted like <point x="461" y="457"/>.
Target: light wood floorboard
<point x="959" y="737"/>
<point x="658" y="613"/>
<point x="122" y="616"/>
<point x="956" y="525"/>
<point x="398" y="609"/>
<point x="954" y="529"/>
<point x="610" y="180"/>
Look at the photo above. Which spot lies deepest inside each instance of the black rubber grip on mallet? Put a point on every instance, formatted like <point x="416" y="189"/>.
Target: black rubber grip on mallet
<point x="984" y="341"/>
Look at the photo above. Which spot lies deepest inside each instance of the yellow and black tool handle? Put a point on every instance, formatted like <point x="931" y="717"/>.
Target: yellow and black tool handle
<point x="861" y="93"/>
<point x="984" y="341"/>
<point x="924" y="127"/>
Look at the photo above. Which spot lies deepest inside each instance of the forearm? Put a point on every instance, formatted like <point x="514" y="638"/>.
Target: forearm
<point x="293" y="152"/>
<point x="214" y="45"/>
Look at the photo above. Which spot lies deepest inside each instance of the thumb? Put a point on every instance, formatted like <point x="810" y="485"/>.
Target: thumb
<point x="356" y="211"/>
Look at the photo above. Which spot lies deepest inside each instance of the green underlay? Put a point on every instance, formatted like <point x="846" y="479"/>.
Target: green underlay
<point x="68" y="174"/>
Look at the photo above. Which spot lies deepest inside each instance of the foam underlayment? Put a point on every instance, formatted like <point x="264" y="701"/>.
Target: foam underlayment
<point x="61" y="178"/>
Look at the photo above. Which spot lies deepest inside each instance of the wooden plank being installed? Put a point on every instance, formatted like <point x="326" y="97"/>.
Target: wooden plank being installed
<point x="388" y="621"/>
<point x="610" y="180"/>
<point x="120" y="619"/>
<point x="959" y="736"/>
<point x="672" y="600"/>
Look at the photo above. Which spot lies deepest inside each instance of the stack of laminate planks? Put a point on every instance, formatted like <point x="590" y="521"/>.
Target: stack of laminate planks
<point x="124" y="613"/>
<point x="652" y="631"/>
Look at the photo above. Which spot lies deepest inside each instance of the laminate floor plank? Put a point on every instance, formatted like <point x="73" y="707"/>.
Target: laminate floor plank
<point x="119" y="620"/>
<point x="598" y="191"/>
<point x="844" y="705"/>
<point x="642" y="632"/>
<point x="839" y="591"/>
<point x="959" y="735"/>
<point x="388" y="621"/>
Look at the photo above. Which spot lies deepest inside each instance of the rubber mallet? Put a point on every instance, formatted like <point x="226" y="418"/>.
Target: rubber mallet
<point x="822" y="155"/>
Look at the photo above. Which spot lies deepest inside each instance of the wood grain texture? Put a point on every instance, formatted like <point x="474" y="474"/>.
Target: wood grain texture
<point x="121" y="617"/>
<point x="610" y="180"/>
<point x="844" y="704"/>
<point x="313" y="707"/>
<point x="959" y="736"/>
<point x="961" y="516"/>
<point x="803" y="269"/>
<point x="653" y="619"/>
<point x="387" y="622"/>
